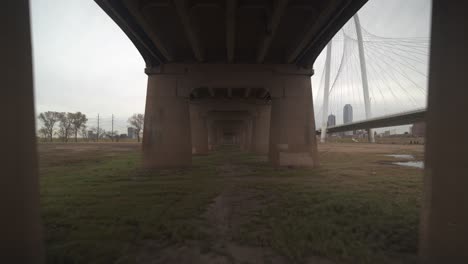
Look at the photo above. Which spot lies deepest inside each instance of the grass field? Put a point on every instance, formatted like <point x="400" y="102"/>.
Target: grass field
<point x="98" y="206"/>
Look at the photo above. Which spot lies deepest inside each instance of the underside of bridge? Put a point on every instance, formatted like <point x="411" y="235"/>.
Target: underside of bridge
<point x="229" y="72"/>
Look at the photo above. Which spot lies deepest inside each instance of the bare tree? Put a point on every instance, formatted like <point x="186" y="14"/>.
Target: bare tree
<point x="65" y="126"/>
<point x="77" y="120"/>
<point x="113" y="135"/>
<point x="43" y="133"/>
<point x="49" y="119"/>
<point x="101" y="134"/>
<point x="137" y="121"/>
<point x="84" y="133"/>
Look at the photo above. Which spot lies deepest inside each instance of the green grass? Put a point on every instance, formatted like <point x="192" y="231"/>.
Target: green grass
<point x="94" y="212"/>
<point x="352" y="209"/>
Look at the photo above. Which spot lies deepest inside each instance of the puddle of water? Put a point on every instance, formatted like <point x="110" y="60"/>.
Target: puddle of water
<point x="401" y="156"/>
<point x="414" y="164"/>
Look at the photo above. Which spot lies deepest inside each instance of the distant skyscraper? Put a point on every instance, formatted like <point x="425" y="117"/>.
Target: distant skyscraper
<point x="348" y="117"/>
<point x="347" y="114"/>
<point x="331" y="120"/>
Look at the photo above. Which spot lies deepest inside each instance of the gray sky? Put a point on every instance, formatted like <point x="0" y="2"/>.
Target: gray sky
<point x="84" y="62"/>
<point x="389" y="19"/>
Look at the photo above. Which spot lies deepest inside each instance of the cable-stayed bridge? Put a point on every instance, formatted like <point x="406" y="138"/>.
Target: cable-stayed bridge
<point x="382" y="81"/>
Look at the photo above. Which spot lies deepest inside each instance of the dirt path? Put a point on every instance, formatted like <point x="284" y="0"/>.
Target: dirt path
<point x="227" y="213"/>
<point x="223" y="217"/>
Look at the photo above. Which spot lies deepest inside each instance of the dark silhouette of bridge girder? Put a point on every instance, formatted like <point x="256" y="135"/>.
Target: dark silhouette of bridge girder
<point x="230" y="31"/>
<point x="399" y="119"/>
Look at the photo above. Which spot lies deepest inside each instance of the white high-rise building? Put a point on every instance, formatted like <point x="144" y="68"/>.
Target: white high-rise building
<point x="348" y="117"/>
<point x="347" y="114"/>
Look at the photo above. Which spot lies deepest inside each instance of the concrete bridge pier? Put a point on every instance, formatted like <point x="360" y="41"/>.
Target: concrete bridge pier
<point x="212" y="140"/>
<point x="21" y="238"/>
<point x="236" y="138"/>
<point x="241" y="133"/>
<point x="444" y="218"/>
<point x="253" y="139"/>
<point x="248" y="133"/>
<point x="261" y="130"/>
<point x="166" y="135"/>
<point x="219" y="135"/>
<point x="198" y="126"/>
<point x="243" y="136"/>
<point x="212" y="136"/>
<point x="251" y="147"/>
<point x="292" y="126"/>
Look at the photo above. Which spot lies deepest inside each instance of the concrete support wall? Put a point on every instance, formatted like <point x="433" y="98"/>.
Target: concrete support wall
<point x="242" y="137"/>
<point x="261" y="130"/>
<point x="292" y="126"/>
<point x="199" y="129"/>
<point x="20" y="225"/>
<point x="219" y="135"/>
<point x="246" y="134"/>
<point x="167" y="128"/>
<point x="212" y="138"/>
<point x="248" y="131"/>
<point x="166" y="135"/>
<point x="444" y="221"/>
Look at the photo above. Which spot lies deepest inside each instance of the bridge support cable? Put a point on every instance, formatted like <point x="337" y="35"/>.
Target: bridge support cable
<point x="378" y="76"/>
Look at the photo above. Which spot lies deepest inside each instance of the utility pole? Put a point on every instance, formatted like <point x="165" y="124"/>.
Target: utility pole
<point x="97" y="132"/>
<point x="365" y="85"/>
<point x="112" y="134"/>
<point x="323" y="134"/>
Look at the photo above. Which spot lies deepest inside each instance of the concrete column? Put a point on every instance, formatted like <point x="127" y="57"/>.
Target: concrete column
<point x="292" y="126"/>
<point x="20" y="227"/>
<point x="246" y="135"/>
<point x="166" y="135"/>
<point x="261" y="130"/>
<point x="444" y="218"/>
<point x="198" y="125"/>
<point x="252" y="133"/>
<point x="248" y="131"/>
<point x="212" y="141"/>
<point x="219" y="135"/>
<point x="236" y="138"/>
<point x="242" y="137"/>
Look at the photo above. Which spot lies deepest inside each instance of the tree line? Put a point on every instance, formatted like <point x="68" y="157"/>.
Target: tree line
<point x="68" y="126"/>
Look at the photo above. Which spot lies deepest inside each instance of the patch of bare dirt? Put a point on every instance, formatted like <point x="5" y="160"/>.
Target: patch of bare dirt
<point x="230" y="170"/>
<point x="227" y="213"/>
<point x="224" y="216"/>
<point x="233" y="207"/>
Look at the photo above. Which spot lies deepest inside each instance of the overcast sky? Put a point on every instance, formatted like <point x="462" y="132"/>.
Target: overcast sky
<point x="388" y="19"/>
<point x="84" y="62"/>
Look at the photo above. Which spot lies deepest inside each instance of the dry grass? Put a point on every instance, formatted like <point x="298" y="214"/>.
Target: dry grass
<point x="230" y="207"/>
